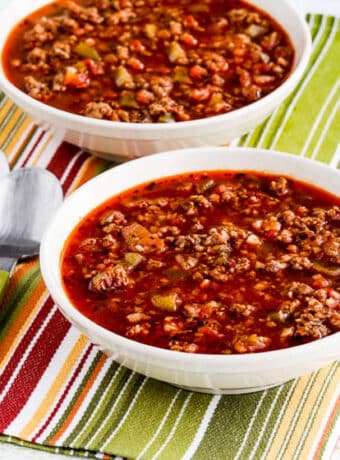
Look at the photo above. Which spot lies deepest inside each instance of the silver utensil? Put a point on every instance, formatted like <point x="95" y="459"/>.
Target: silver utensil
<point x="28" y="199"/>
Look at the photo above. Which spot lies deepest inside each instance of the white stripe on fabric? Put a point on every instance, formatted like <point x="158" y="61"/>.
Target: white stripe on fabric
<point x="174" y="428"/>
<point x="79" y="172"/>
<point x="309" y="76"/>
<point x="311" y="417"/>
<point x="87" y="400"/>
<point x="160" y="426"/>
<point x="250" y="426"/>
<point x="335" y="161"/>
<point x="264" y="426"/>
<point x="209" y="413"/>
<point x="71" y="390"/>
<point x="70" y="166"/>
<point x="325" y="131"/>
<point x="27" y="352"/>
<point x="44" y="384"/>
<point x="320" y="116"/>
<point x="104" y="394"/>
<point x="49" y="150"/>
<point x="129" y="409"/>
<point x="44" y="139"/>
<point x="297" y="414"/>
<point x="278" y="420"/>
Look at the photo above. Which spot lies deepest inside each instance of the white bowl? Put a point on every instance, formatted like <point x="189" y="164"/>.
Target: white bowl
<point x="117" y="140"/>
<point x="206" y="373"/>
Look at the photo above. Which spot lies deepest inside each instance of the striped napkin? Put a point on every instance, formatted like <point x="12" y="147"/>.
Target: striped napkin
<point x="58" y="392"/>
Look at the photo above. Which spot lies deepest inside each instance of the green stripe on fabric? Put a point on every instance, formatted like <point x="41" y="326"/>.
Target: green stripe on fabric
<point x="14" y="130"/>
<point x="233" y="417"/>
<point x="330" y="141"/>
<point x="293" y="108"/>
<point x="32" y="132"/>
<point x="144" y="417"/>
<point x="275" y="419"/>
<point x="111" y="408"/>
<point x="113" y="416"/>
<point x="302" y="118"/>
<point x="18" y="298"/>
<point x="90" y="421"/>
<point x="177" y="432"/>
<point x="77" y="391"/>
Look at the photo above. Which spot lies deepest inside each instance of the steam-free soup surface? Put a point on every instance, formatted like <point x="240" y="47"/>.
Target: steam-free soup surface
<point x="210" y="262"/>
<point x="148" y="60"/>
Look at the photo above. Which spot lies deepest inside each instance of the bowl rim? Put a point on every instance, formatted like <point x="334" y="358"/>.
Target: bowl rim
<point x="272" y="358"/>
<point x="108" y="127"/>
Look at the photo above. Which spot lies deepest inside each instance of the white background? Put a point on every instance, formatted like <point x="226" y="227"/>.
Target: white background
<point x="8" y="451"/>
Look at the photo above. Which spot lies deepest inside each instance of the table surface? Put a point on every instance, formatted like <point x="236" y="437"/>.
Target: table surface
<point x="8" y="451"/>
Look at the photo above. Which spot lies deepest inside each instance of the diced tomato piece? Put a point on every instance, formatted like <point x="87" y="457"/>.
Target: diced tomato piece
<point x="135" y="64"/>
<point x="76" y="79"/>
<point x="189" y="39"/>
<point x="96" y="68"/>
<point x="197" y="72"/>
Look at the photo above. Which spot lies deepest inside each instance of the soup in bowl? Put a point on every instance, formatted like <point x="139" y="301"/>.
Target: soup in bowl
<point x="214" y="269"/>
<point x="132" y="78"/>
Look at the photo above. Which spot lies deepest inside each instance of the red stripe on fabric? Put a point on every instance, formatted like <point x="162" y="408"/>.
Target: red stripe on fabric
<point x="24" y="342"/>
<point x="34" y="365"/>
<point x="67" y="182"/>
<point x="34" y="146"/>
<point x="62" y="157"/>
<point x="64" y="394"/>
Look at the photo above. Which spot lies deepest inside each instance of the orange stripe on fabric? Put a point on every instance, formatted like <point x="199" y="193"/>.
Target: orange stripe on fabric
<point x="87" y="172"/>
<point x="79" y="401"/>
<point x="333" y="415"/>
<point x="19" y="326"/>
<point x="54" y="389"/>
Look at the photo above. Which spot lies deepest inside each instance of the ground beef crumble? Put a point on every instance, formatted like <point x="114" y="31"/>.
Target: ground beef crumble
<point x="175" y="264"/>
<point x="145" y="61"/>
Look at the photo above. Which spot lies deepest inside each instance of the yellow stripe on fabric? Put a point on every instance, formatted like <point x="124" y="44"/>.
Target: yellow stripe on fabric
<point x="86" y="172"/>
<point x="322" y="410"/>
<point x="57" y="384"/>
<point x="305" y="415"/>
<point x="5" y="109"/>
<point x="12" y="139"/>
<point x="22" y="135"/>
<point x="10" y="125"/>
<point x="287" y="418"/>
<point x="39" y="152"/>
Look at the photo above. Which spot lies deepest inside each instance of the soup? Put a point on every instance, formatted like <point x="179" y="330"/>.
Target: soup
<point x="147" y="61"/>
<point x="214" y="262"/>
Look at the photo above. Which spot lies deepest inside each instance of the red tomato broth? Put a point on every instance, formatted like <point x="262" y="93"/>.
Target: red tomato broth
<point x="194" y="66"/>
<point x="250" y="288"/>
